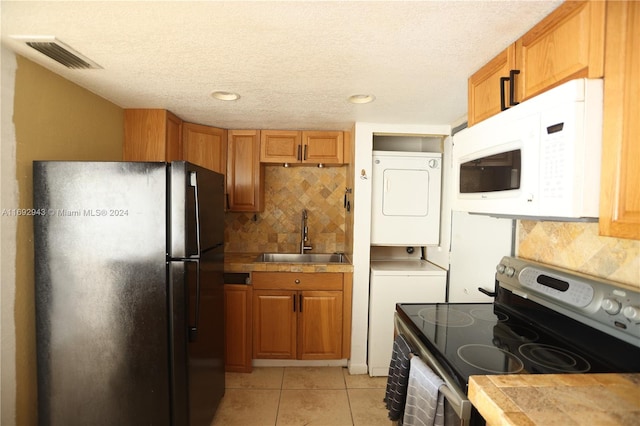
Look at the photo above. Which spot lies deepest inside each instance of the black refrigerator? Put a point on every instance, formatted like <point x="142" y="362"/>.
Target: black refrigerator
<point x="129" y="260"/>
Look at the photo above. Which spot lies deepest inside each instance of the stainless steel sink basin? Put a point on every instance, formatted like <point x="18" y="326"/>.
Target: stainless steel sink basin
<point x="302" y="258"/>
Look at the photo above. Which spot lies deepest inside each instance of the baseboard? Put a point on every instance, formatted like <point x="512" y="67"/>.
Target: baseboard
<point x="299" y="363"/>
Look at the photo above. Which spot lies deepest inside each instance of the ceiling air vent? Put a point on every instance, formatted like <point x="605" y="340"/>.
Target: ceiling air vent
<point x="59" y="52"/>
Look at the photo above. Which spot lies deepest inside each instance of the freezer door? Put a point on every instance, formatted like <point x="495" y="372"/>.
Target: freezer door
<point x="100" y="289"/>
<point x="196" y="209"/>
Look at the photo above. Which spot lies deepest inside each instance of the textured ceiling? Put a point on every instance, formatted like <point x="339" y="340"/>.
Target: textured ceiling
<point x="294" y="64"/>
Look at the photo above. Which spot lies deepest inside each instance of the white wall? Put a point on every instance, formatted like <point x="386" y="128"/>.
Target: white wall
<point x="8" y="226"/>
<point x="363" y="140"/>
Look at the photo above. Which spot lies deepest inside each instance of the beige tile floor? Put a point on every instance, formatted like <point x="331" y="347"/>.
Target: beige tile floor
<point x="297" y="396"/>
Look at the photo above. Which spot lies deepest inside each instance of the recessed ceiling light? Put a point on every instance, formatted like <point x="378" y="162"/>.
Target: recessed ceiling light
<point x="361" y="99"/>
<point x="225" y="96"/>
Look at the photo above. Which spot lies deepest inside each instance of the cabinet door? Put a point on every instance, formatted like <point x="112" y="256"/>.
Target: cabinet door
<point x="280" y="146"/>
<point x="486" y="89"/>
<point x="274" y="324"/>
<point x="620" y="192"/>
<point x="205" y="146"/>
<point x="151" y="135"/>
<point x="320" y="325"/>
<point x="245" y="187"/>
<point x="567" y="44"/>
<point x="323" y="147"/>
<point x="238" y="326"/>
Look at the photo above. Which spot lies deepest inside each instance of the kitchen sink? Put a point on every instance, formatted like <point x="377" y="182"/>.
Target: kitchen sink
<point x="302" y="258"/>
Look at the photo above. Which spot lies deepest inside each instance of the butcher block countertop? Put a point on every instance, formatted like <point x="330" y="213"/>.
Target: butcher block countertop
<point x="245" y="262"/>
<point x="557" y="399"/>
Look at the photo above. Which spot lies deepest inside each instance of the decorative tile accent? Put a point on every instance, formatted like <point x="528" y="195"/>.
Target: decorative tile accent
<point x="577" y="246"/>
<point x="287" y="192"/>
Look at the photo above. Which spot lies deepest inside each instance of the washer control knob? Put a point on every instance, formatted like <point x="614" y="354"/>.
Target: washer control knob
<point x="632" y="313"/>
<point x="611" y="306"/>
<point x="500" y="268"/>
<point x="509" y="271"/>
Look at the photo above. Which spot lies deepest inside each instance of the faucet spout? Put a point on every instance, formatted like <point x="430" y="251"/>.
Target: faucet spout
<point x="304" y="233"/>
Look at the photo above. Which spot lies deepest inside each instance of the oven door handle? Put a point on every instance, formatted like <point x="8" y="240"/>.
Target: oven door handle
<point x="458" y="399"/>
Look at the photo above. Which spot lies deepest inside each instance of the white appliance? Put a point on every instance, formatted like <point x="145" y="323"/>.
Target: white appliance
<point x="405" y="199"/>
<point x="540" y="158"/>
<point x="397" y="280"/>
<point x="478" y="242"/>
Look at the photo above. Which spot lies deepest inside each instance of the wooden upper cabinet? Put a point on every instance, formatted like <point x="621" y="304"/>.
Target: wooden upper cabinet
<point x="322" y="147"/>
<point x="486" y="91"/>
<point x="245" y="173"/>
<point x="619" y="190"/>
<point x="151" y="135"/>
<point x="205" y="146"/>
<point x="567" y="44"/>
<point x="280" y="146"/>
<point x="302" y="147"/>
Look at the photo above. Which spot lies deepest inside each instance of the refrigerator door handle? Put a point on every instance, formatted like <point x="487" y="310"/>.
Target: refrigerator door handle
<point x="193" y="329"/>
<point x="193" y="181"/>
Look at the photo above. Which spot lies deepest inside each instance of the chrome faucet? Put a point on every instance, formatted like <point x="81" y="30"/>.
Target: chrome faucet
<point x="304" y="233"/>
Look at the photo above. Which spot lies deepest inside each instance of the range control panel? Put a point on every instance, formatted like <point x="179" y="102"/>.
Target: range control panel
<point x="600" y="303"/>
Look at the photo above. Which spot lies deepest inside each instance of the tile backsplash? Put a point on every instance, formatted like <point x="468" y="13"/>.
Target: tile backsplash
<point x="287" y="192"/>
<point x="577" y="246"/>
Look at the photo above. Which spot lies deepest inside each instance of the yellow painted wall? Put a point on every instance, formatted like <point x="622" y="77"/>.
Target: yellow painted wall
<point x="54" y="120"/>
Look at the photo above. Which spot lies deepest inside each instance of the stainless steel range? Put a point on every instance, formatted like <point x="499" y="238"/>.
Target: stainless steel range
<point x="543" y="320"/>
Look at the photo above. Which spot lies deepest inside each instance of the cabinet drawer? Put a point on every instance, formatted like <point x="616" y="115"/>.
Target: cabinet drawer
<point x="297" y="281"/>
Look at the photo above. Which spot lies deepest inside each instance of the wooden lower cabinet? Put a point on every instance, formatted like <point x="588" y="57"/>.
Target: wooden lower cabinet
<point x="320" y="325"/>
<point x="300" y="315"/>
<point x="274" y="324"/>
<point x="238" y="326"/>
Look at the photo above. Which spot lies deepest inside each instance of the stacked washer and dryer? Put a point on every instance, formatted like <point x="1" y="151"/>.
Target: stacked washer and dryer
<point x="405" y="218"/>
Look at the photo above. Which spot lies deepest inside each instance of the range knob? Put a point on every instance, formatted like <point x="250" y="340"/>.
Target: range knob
<point x="631" y="313"/>
<point x="500" y="268"/>
<point x="509" y="271"/>
<point x="611" y="306"/>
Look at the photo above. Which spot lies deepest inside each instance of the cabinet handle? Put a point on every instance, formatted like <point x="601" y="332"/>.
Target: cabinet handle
<point x="512" y="87"/>
<point x="299" y="156"/>
<point x="503" y="102"/>
<point x="294" y="303"/>
<point x="228" y="203"/>
<point x="305" y="152"/>
<point x="300" y="303"/>
<point x="297" y="281"/>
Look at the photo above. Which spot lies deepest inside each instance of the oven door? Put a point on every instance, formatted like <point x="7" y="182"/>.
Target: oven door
<point x="454" y="396"/>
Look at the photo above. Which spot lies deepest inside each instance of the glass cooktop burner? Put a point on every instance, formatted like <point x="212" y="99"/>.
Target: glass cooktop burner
<point x="487" y="315"/>
<point x="490" y="359"/>
<point x="514" y="334"/>
<point x="446" y="317"/>
<point x="554" y="358"/>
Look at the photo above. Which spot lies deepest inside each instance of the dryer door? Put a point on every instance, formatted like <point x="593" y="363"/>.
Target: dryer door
<point x="405" y="192"/>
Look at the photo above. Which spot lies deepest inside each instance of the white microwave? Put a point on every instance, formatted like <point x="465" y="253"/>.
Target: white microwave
<point x="540" y="158"/>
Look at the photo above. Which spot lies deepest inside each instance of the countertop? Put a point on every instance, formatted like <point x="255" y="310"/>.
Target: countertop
<point x="246" y="263"/>
<point x="557" y="399"/>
